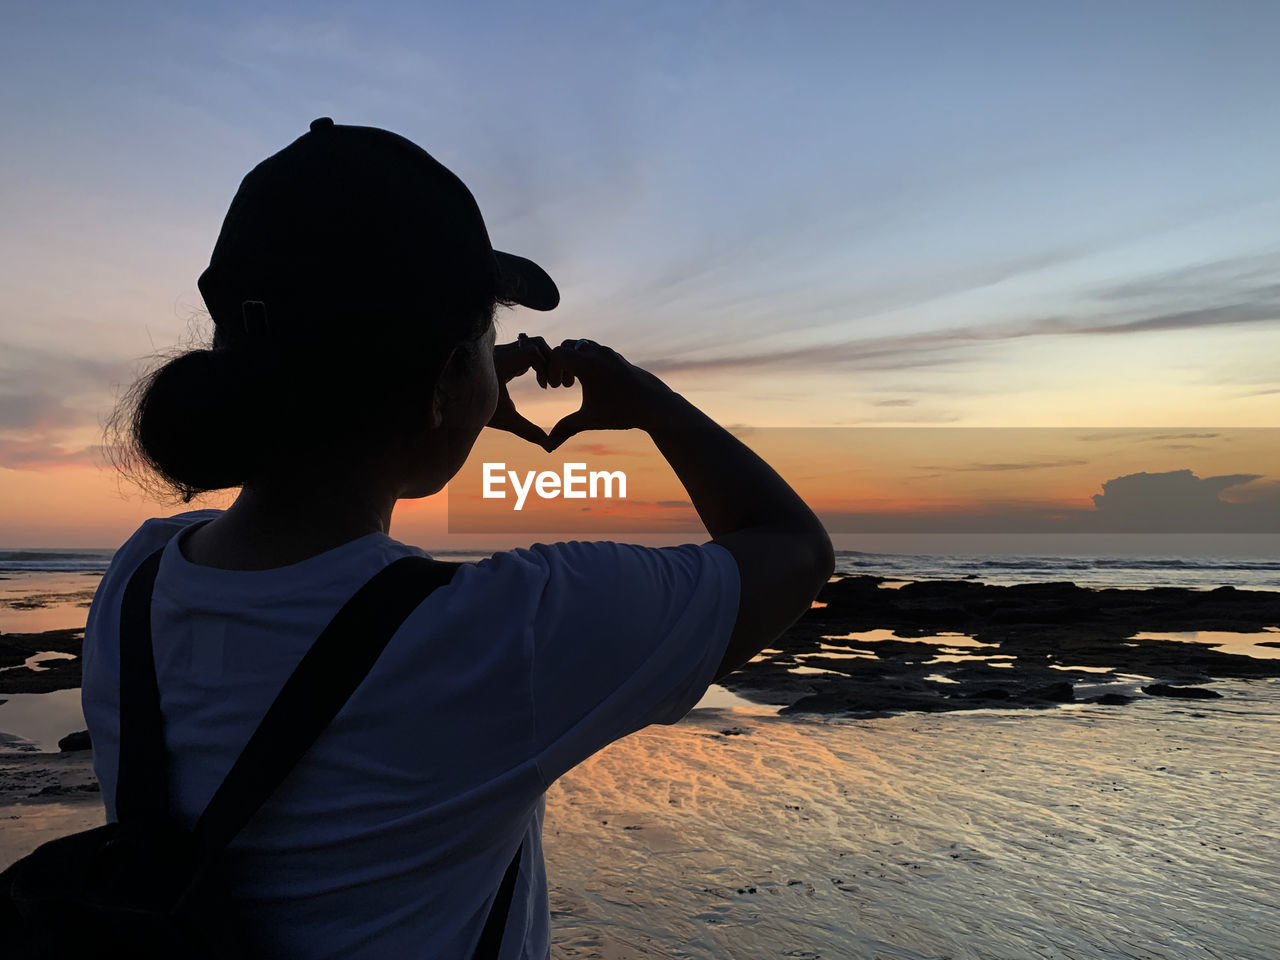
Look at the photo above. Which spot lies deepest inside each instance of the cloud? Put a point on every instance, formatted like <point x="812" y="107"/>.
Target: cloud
<point x="918" y="416"/>
<point x="1110" y="435"/>
<point x="40" y="455"/>
<point x="1233" y="277"/>
<point x="1175" y="501"/>
<point x="894" y="403"/>
<point x="1179" y="501"/>
<point x="598" y="449"/>
<point x="886" y="353"/>
<point x="44" y="392"/>
<point x="1158" y="491"/>
<point x="1115" y="312"/>
<point x="1225" y="313"/>
<point x="1003" y="467"/>
<point x="1257" y="493"/>
<point x="1142" y="436"/>
<point x="36" y="412"/>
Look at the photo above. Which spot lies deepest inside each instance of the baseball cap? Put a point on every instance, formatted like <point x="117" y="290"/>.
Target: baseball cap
<point x="347" y="220"/>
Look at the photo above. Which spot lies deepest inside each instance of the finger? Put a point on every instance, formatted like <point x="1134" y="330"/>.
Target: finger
<point x="508" y="361"/>
<point x="572" y="357"/>
<point x="559" y="366"/>
<point x="511" y="360"/>
<point x="569" y="425"/>
<point x="528" y="356"/>
<point x="515" y="359"/>
<point x="577" y="355"/>
<point x="539" y="353"/>
<point x="522" y="427"/>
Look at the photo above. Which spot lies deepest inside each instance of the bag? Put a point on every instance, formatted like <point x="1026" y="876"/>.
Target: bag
<point x="146" y="887"/>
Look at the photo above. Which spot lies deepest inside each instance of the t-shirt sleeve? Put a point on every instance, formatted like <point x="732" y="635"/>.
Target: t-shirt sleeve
<point x="624" y="636"/>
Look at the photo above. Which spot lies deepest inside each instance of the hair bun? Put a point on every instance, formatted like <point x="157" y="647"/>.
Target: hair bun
<point x="199" y="422"/>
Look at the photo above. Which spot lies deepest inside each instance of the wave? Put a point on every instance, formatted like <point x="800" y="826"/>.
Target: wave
<point x="54" y="561"/>
<point x="1139" y="572"/>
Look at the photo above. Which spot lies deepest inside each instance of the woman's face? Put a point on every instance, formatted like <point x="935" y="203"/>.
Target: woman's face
<point x="463" y="402"/>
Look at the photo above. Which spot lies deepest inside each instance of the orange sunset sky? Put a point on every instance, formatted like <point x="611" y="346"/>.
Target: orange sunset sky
<point x="828" y="217"/>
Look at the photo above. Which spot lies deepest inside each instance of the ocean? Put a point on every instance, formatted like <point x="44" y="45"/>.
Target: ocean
<point x="1241" y="570"/>
<point x="54" y="560"/>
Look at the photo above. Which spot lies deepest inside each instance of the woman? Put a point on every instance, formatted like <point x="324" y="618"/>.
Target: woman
<point x="353" y="364"/>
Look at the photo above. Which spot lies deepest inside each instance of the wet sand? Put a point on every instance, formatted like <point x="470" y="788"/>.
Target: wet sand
<point x="1145" y="831"/>
<point x="1087" y="832"/>
<point x="45" y="795"/>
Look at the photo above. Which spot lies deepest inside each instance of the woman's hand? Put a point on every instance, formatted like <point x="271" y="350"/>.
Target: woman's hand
<point x="511" y="360"/>
<point x="616" y="395"/>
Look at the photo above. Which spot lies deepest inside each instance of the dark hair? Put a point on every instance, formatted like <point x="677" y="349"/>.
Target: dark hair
<point x="220" y="417"/>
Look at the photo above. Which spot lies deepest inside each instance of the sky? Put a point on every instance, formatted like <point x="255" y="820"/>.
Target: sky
<point x="800" y="215"/>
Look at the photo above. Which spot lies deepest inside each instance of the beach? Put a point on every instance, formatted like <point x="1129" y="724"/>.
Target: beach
<point x="1145" y="831"/>
<point x="920" y="769"/>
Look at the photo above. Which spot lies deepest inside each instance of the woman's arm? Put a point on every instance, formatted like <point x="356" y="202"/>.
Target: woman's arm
<point x="783" y="554"/>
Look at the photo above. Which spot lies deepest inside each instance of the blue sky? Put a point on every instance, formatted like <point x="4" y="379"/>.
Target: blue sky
<point x="811" y="213"/>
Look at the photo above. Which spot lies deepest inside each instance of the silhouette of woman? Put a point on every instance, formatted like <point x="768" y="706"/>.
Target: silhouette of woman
<point x="353" y="364"/>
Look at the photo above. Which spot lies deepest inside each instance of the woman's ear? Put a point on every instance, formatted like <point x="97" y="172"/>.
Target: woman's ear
<point x="446" y="390"/>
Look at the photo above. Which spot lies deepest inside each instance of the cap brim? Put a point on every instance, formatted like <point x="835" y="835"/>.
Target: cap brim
<point x="525" y="282"/>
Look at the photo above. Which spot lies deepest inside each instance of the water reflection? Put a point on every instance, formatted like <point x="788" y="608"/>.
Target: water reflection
<point x="37" y="721"/>
<point x="1244" y="644"/>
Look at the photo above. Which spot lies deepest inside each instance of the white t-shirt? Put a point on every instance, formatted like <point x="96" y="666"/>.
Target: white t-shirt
<point x="391" y="836"/>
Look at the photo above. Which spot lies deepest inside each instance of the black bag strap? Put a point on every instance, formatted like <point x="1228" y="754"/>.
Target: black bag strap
<point x="142" y="782"/>
<point x="324" y="679"/>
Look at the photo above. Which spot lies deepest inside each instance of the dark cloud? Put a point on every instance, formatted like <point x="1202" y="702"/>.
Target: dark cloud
<point x="1142" y="436"/>
<point x="1217" y="315"/>
<point x="42" y="392"/>
<point x="881" y="354"/>
<point x="1119" y="311"/>
<point x="1267" y="492"/>
<point x="1179" y="501"/>
<point x="894" y="403"/>
<point x="1234" y="277"/>
<point x="674" y="503"/>
<point x="1175" y="501"/>
<point x="1159" y="491"/>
